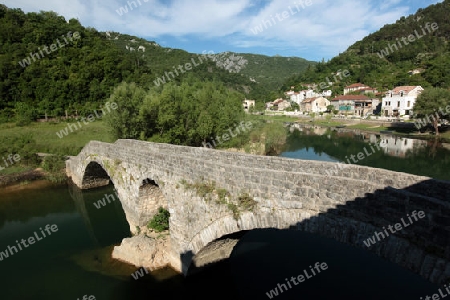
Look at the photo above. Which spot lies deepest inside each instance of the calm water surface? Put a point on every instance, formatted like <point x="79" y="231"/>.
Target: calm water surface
<point x="420" y="157"/>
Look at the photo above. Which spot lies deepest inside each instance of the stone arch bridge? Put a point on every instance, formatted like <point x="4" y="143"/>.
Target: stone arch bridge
<point x="212" y="193"/>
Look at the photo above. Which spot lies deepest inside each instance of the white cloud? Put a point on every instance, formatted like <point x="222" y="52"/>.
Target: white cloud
<point x="388" y="3"/>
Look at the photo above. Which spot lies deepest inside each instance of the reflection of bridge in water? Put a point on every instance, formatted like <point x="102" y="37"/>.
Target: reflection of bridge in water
<point x="80" y="204"/>
<point x="77" y="196"/>
<point x="348" y="206"/>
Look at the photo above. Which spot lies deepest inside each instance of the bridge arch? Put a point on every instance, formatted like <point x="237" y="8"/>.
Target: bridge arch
<point x="95" y="175"/>
<point x="348" y="204"/>
<point x="151" y="197"/>
<point x="137" y="189"/>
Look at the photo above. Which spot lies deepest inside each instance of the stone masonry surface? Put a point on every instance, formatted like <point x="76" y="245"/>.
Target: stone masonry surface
<point x="290" y="193"/>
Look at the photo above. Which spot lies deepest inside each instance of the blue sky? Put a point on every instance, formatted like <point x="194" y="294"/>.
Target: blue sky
<point x="312" y="29"/>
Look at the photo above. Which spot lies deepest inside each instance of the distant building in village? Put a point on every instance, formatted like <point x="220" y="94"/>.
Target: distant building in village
<point x="315" y="104"/>
<point x="247" y="104"/>
<point x="359" y="87"/>
<point x="278" y="104"/>
<point x="359" y="105"/>
<point x="400" y="101"/>
<point x="306" y="94"/>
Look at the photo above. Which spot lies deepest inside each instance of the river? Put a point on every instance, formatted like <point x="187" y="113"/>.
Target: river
<point x="75" y="260"/>
<point x="420" y="157"/>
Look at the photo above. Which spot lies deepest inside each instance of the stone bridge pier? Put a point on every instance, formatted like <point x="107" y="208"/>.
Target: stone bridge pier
<point x="211" y="194"/>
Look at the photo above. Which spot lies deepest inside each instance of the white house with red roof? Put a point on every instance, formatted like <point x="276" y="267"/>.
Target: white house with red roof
<point x="400" y="101"/>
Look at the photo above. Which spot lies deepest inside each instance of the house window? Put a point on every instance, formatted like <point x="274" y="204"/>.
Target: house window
<point x="398" y="103"/>
<point x="409" y="103"/>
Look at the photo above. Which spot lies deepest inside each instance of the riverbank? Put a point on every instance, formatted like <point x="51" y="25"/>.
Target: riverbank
<point x="21" y="178"/>
<point x="403" y="129"/>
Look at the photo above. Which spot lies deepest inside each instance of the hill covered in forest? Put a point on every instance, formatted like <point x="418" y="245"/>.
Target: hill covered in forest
<point x="413" y="51"/>
<point x="49" y="65"/>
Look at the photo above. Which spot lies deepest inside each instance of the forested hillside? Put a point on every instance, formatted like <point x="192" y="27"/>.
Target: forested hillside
<point x="412" y="51"/>
<point x="49" y="65"/>
<point x="272" y="71"/>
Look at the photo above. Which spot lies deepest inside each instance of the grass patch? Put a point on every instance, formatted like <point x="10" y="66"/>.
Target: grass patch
<point x="15" y="169"/>
<point x="247" y="202"/>
<point x="208" y="191"/>
<point x="160" y="221"/>
<point x="368" y="127"/>
<point x="235" y="210"/>
<point x="202" y="189"/>
<point x="36" y="137"/>
<point x="46" y="140"/>
<point x="282" y="118"/>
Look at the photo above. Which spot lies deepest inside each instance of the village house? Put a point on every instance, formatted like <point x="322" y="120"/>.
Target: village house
<point x="278" y="104"/>
<point x="315" y="104"/>
<point x="400" y="101"/>
<point x="247" y="104"/>
<point x="359" y="105"/>
<point x="359" y="87"/>
<point x="305" y="94"/>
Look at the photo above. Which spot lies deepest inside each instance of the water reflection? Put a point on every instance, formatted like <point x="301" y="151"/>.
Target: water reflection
<point x="428" y="158"/>
<point x="399" y="146"/>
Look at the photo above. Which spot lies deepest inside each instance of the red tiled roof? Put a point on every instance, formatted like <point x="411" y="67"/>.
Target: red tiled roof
<point x="356" y="85"/>
<point x="309" y="100"/>
<point x="278" y="101"/>
<point x="404" y="88"/>
<point x="351" y="97"/>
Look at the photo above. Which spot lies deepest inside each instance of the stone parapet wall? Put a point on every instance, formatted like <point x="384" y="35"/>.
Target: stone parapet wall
<point x="348" y="206"/>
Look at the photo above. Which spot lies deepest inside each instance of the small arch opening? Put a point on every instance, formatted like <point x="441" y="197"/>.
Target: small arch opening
<point x="151" y="196"/>
<point x="95" y="176"/>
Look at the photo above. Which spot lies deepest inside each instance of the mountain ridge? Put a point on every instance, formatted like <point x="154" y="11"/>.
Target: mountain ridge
<point x="424" y="61"/>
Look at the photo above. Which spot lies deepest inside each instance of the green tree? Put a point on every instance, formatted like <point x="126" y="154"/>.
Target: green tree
<point x="431" y="106"/>
<point x="275" y="138"/>
<point x="25" y="114"/>
<point x="125" y="121"/>
<point x="330" y="108"/>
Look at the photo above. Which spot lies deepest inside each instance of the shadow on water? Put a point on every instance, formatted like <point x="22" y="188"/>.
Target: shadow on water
<point x="264" y="258"/>
<point x="103" y="220"/>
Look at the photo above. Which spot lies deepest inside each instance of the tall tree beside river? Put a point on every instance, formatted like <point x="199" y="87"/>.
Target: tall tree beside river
<point x="186" y="114"/>
<point x="431" y="106"/>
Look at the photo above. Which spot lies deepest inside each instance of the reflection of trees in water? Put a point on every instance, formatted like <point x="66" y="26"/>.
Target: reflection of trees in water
<point x="433" y="145"/>
<point x="431" y="159"/>
<point x="36" y="199"/>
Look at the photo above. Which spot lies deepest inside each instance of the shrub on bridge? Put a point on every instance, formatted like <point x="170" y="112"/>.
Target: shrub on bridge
<point x="160" y="221"/>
